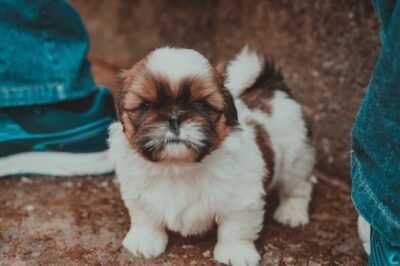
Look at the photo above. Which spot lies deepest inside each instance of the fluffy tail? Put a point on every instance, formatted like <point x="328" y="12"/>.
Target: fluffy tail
<point x="249" y="70"/>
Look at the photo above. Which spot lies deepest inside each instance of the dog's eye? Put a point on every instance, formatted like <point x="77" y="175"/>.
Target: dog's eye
<point x="200" y="105"/>
<point x="144" y="106"/>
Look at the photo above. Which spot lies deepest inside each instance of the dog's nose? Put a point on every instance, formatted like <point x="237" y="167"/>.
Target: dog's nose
<point x="174" y="122"/>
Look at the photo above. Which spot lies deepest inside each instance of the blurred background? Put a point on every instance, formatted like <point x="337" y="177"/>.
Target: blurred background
<point x="326" y="50"/>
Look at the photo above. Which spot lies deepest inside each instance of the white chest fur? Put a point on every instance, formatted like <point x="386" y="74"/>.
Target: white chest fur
<point x="180" y="202"/>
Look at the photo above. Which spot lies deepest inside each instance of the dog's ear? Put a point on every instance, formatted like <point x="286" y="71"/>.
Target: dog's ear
<point x="122" y="82"/>
<point x="230" y="111"/>
<point x="122" y="77"/>
<point x="221" y="68"/>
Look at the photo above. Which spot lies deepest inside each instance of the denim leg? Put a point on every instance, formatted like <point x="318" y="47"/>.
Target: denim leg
<point x="376" y="134"/>
<point x="382" y="253"/>
<point x="43" y="51"/>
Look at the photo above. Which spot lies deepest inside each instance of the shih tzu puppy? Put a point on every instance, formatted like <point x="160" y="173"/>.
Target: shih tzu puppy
<point x="198" y="146"/>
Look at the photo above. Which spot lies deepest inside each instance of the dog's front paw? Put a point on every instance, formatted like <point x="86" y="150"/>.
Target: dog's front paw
<point x="292" y="212"/>
<point x="148" y="242"/>
<point x="240" y="253"/>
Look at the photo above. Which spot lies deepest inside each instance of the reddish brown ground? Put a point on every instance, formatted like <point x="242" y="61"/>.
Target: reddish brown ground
<point x="82" y="221"/>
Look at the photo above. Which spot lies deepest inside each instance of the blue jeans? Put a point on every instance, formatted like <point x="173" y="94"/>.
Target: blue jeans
<point x="43" y="51"/>
<point x="376" y="134"/>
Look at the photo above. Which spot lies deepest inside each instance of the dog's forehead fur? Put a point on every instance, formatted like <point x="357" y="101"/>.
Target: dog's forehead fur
<point x="171" y="72"/>
<point x="177" y="64"/>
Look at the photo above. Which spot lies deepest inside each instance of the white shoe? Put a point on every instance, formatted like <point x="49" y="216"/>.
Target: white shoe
<point x="364" y="231"/>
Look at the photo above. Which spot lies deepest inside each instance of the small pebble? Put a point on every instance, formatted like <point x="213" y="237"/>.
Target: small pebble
<point x="172" y="256"/>
<point x="187" y="246"/>
<point x="184" y="256"/>
<point x="104" y="184"/>
<point x="206" y="254"/>
<point x="69" y="184"/>
<point x="315" y="73"/>
<point x="193" y="262"/>
<point x="26" y="180"/>
<point x="36" y="254"/>
<point x="288" y="259"/>
<point x="29" y="208"/>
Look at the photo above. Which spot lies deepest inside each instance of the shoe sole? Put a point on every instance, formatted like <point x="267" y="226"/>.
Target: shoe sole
<point x="56" y="164"/>
<point x="364" y="232"/>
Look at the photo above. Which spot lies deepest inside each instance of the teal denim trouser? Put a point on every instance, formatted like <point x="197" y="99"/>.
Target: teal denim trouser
<point x="43" y="47"/>
<point x="376" y="134"/>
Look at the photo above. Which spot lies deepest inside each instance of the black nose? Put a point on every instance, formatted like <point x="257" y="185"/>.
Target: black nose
<point x="174" y="122"/>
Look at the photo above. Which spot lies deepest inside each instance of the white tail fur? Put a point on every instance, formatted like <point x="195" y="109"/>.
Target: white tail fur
<point x="243" y="71"/>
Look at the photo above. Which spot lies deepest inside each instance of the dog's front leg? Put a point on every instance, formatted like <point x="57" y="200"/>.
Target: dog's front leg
<point x="237" y="232"/>
<point x="147" y="236"/>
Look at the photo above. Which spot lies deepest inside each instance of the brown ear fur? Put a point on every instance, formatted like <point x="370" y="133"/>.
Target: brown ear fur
<point x="125" y="79"/>
<point x="221" y="67"/>
<point x="122" y="82"/>
<point x="229" y="111"/>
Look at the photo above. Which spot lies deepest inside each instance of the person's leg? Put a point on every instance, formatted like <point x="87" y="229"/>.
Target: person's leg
<point x="53" y="118"/>
<point x="376" y="144"/>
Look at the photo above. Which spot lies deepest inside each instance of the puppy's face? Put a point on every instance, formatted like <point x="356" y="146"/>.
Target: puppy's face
<point x="173" y="106"/>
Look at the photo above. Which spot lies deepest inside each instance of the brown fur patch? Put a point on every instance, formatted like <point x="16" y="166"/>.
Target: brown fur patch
<point x="221" y="67"/>
<point x="203" y="89"/>
<point x="146" y="87"/>
<point x="264" y="143"/>
<point x="125" y="78"/>
<point x="128" y="128"/>
<point x="269" y="80"/>
<point x="258" y="99"/>
<point x="223" y="131"/>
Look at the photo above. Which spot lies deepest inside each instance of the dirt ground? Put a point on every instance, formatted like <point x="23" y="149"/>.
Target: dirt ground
<point x="82" y="221"/>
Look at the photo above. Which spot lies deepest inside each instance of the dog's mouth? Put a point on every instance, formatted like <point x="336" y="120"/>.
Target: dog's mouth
<point x="189" y="145"/>
<point x="171" y="141"/>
